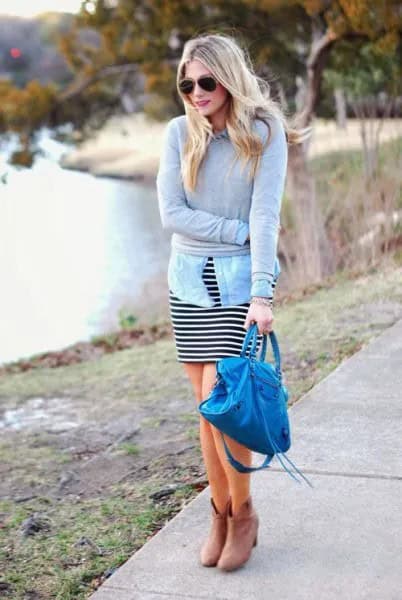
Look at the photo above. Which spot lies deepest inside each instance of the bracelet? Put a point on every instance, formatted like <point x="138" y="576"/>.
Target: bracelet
<point x="261" y="300"/>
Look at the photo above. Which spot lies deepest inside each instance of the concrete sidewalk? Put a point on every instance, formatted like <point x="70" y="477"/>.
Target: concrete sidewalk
<point x="341" y="540"/>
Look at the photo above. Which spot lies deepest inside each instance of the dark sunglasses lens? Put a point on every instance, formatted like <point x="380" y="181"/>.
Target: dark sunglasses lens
<point x="186" y="86"/>
<point x="207" y="83"/>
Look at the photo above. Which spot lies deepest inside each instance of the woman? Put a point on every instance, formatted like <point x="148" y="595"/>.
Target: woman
<point x="223" y="265"/>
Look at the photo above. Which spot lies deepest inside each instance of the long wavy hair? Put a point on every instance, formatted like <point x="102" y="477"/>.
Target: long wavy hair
<point x="248" y="99"/>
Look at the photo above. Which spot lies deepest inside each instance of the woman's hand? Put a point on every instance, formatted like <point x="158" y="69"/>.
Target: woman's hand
<point x="260" y="314"/>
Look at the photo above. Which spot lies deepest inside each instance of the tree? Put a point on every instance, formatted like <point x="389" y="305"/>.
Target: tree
<point x="145" y="38"/>
<point x="373" y="82"/>
<point x="378" y="23"/>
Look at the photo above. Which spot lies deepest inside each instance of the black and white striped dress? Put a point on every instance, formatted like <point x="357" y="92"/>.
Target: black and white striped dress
<point x="206" y="334"/>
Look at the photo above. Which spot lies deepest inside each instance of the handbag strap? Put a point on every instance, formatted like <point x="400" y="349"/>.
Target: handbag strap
<point x="275" y="349"/>
<point x="247" y="338"/>
<point x="239" y="466"/>
<point x="279" y="454"/>
<point x="252" y="333"/>
<point x="245" y="469"/>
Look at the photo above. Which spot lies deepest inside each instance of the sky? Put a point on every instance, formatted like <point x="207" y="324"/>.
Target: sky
<point x="29" y="8"/>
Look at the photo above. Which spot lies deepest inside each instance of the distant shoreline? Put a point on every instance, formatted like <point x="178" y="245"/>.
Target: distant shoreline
<point x="128" y="146"/>
<point x="83" y="351"/>
<point x="145" y="178"/>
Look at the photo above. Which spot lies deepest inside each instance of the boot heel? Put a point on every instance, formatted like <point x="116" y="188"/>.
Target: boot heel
<point x="255" y="541"/>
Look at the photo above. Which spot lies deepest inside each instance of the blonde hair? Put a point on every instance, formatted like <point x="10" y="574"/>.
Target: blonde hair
<point x="249" y="99"/>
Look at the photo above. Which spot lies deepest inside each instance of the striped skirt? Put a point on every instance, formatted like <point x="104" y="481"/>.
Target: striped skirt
<point x="206" y="334"/>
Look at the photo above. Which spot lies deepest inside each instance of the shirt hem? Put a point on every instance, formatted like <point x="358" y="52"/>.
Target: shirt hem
<point x="206" y="251"/>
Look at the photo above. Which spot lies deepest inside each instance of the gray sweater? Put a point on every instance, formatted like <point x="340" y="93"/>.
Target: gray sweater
<point x="216" y="218"/>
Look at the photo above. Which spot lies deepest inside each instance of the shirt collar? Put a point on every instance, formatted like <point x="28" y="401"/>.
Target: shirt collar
<point x="221" y="134"/>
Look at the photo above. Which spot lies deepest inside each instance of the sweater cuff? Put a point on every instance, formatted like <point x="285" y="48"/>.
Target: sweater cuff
<point x="243" y="231"/>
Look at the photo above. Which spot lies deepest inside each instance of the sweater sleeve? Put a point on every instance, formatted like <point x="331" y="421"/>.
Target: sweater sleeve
<point x="269" y="183"/>
<point x="175" y="213"/>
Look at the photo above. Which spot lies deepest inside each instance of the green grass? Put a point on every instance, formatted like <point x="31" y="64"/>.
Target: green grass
<point x="132" y="449"/>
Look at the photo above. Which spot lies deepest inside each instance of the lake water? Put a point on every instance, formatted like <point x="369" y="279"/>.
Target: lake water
<point x="76" y="252"/>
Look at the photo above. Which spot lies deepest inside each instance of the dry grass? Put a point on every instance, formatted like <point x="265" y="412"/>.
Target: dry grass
<point x="363" y="220"/>
<point x="327" y="137"/>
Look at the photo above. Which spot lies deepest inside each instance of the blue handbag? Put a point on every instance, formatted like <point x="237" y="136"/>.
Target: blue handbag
<point x="249" y="404"/>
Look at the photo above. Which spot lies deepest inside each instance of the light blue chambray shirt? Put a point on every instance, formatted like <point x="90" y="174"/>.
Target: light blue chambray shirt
<point x="216" y="218"/>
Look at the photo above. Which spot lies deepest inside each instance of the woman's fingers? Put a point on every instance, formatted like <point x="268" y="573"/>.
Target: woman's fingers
<point x="262" y="315"/>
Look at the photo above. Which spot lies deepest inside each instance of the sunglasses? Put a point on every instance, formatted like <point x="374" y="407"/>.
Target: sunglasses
<point x="206" y="83"/>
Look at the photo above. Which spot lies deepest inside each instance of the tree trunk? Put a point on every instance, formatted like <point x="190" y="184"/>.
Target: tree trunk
<point x="340" y="108"/>
<point x="314" y="256"/>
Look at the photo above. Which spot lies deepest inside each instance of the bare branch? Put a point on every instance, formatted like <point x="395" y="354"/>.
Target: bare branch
<point x="77" y="87"/>
<point x="320" y="49"/>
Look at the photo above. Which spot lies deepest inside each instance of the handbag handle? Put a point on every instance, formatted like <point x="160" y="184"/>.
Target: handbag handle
<point x="250" y="332"/>
<point x="253" y="331"/>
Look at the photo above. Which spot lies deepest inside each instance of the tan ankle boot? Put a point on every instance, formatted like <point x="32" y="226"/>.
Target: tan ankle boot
<point x="241" y="536"/>
<point x="212" y="547"/>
